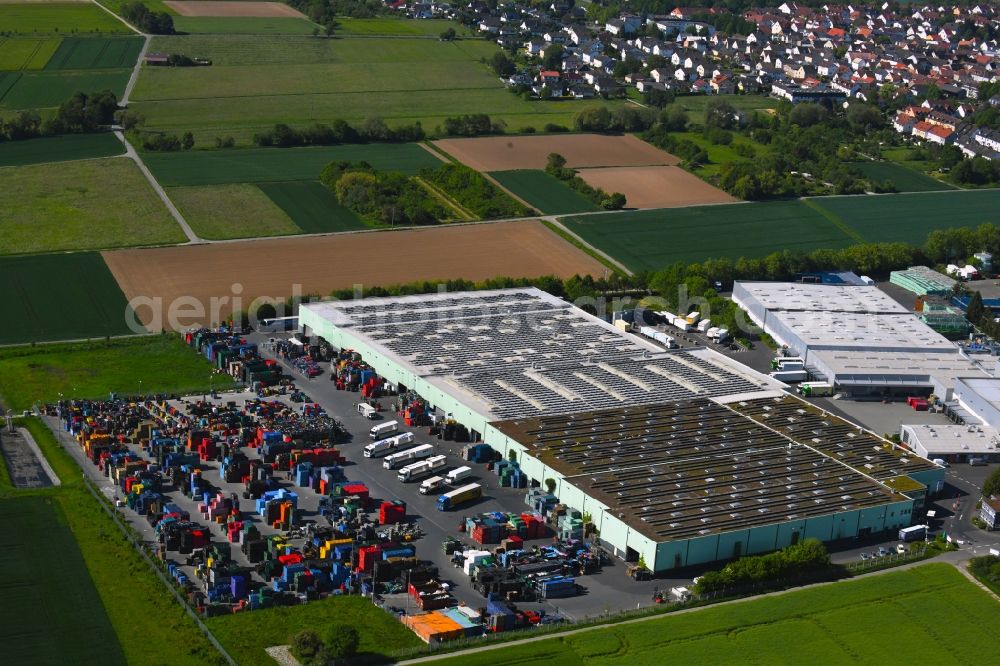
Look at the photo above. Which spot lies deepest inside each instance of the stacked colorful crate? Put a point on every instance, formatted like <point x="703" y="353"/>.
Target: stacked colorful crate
<point x="393" y="512"/>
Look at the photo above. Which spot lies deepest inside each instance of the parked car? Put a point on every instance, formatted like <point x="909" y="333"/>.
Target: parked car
<point x="882" y="551"/>
<point x="865" y="556"/>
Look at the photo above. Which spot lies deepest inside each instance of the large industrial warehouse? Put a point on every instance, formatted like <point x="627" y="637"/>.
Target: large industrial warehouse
<point x="857" y="338"/>
<point x="679" y="457"/>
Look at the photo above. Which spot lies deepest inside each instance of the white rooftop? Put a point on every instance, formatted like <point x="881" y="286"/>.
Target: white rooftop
<point x="954" y="439"/>
<point x="794" y="296"/>
<point x="889" y="332"/>
<point x="880" y="367"/>
<point x="986" y="388"/>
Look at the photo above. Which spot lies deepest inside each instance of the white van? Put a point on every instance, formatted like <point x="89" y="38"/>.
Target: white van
<point x="456" y="475"/>
<point x="367" y="410"/>
<point x="383" y="429"/>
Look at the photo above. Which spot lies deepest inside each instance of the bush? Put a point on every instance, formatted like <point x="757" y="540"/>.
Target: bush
<point x="390" y="198"/>
<point x="472" y="191"/>
<point x="157" y="23"/>
<point x="553" y="127"/>
<point x="556" y="167"/>
<point x="341" y="641"/>
<point x="809" y="556"/>
<point x="475" y="124"/>
<point x="306" y="646"/>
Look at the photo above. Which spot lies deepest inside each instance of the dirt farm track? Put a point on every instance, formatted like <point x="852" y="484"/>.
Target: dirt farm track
<point x="502" y="153"/>
<point x="318" y="265"/>
<point x="226" y="8"/>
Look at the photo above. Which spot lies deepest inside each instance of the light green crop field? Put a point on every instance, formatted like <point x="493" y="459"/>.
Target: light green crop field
<point x="90" y="204"/>
<point x="260" y="165"/>
<point x="544" y="192"/>
<point x="59" y="149"/>
<point x="243" y="25"/>
<point x="905" y="178"/>
<point x="231" y="211"/>
<point x="26" y="52"/>
<point x="399" y="27"/>
<point x="49" y="89"/>
<point x="651" y="240"/>
<point x="64" y="18"/>
<point x="255" y="82"/>
<point x="928" y="614"/>
<point x="910" y="217"/>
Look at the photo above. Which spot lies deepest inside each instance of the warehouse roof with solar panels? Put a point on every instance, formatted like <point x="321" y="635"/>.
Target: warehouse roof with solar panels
<point x="523" y="352"/>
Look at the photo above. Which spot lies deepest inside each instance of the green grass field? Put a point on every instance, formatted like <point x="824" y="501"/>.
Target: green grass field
<point x="92" y="370"/>
<point x="145" y="618"/>
<point x="651" y="240"/>
<point x="928" y="614"/>
<point x="51" y="612"/>
<point x="910" y="217"/>
<point x="231" y="211"/>
<point x="47" y="89"/>
<point x="398" y="27"/>
<point x="255" y="82"/>
<point x="96" y="53"/>
<point x="242" y="25"/>
<point x="718" y="154"/>
<point x="544" y="192"/>
<point x="59" y="149"/>
<point x="245" y="635"/>
<point x="26" y="52"/>
<point x="312" y="207"/>
<point x="64" y="18"/>
<point x="214" y="167"/>
<point x="84" y="205"/>
<point x="695" y="105"/>
<point x="906" y="179"/>
<point x="59" y="297"/>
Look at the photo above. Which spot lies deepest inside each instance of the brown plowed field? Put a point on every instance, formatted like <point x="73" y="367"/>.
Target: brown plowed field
<point x="271" y="268"/>
<point x="655" y="187"/>
<point x="224" y="8"/>
<point x="502" y="153"/>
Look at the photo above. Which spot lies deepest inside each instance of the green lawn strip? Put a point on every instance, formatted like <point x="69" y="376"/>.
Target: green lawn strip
<point x="906" y="178"/>
<point x="56" y="17"/>
<point x="462" y="213"/>
<point x="51" y="611"/>
<point x="312" y="207"/>
<point x="243" y="25"/>
<point x="696" y="105"/>
<point x="544" y="192"/>
<point x="834" y="220"/>
<point x="650" y="240"/>
<point x="59" y="149"/>
<point x="259" y="165"/>
<point x="163" y="363"/>
<point x="246" y="635"/>
<point x="58" y="297"/>
<point x="827" y="624"/>
<point x="48" y="89"/>
<point x="82" y="205"/>
<point x="239" y="210"/>
<point x="95" y="53"/>
<point x="151" y="627"/>
<point x="909" y="218"/>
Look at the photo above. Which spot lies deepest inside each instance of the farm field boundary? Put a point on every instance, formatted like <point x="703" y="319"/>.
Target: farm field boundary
<point x="543" y="192"/>
<point x="312" y="207"/>
<point x="26" y="52"/>
<point x="48" y="300"/>
<point x="59" y="149"/>
<point x="241" y="210"/>
<point x="325" y="263"/>
<point x="905" y="178"/>
<point x="59" y="17"/>
<point x="655" y="186"/>
<point x="95" y="53"/>
<point x="46" y="89"/>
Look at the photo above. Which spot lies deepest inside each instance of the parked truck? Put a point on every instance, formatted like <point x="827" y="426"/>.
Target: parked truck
<point x="388" y="445"/>
<point x="432" y="484"/>
<point x="815" y="389"/>
<point x="459" y="496"/>
<point x="383" y="429"/>
<point x="420" y="469"/>
<point x="682" y="324"/>
<point x="397" y="460"/>
<point x="457" y="474"/>
<point x="913" y="533"/>
<point x="367" y="411"/>
<point x="790" y="375"/>
<point x="704" y="325"/>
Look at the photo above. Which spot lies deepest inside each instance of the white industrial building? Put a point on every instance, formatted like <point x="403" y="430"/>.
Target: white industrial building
<point x="953" y="443"/>
<point x="680" y="457"/>
<point x="857" y="337"/>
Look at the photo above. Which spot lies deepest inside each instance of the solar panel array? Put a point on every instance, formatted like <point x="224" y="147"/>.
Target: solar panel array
<point x="692" y="468"/>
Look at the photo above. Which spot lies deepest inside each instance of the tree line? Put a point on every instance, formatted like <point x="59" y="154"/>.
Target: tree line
<point x="808" y="557"/>
<point x="139" y="15"/>
<point x="80" y="114"/>
<point x="339" y="131"/>
<point x="556" y="167"/>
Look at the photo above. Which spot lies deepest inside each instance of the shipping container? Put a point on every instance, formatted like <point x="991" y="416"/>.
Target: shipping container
<point x="459" y="496"/>
<point x="388" y="445"/>
<point x="419" y="470"/>
<point x="383" y="429"/>
<point x="403" y="457"/>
